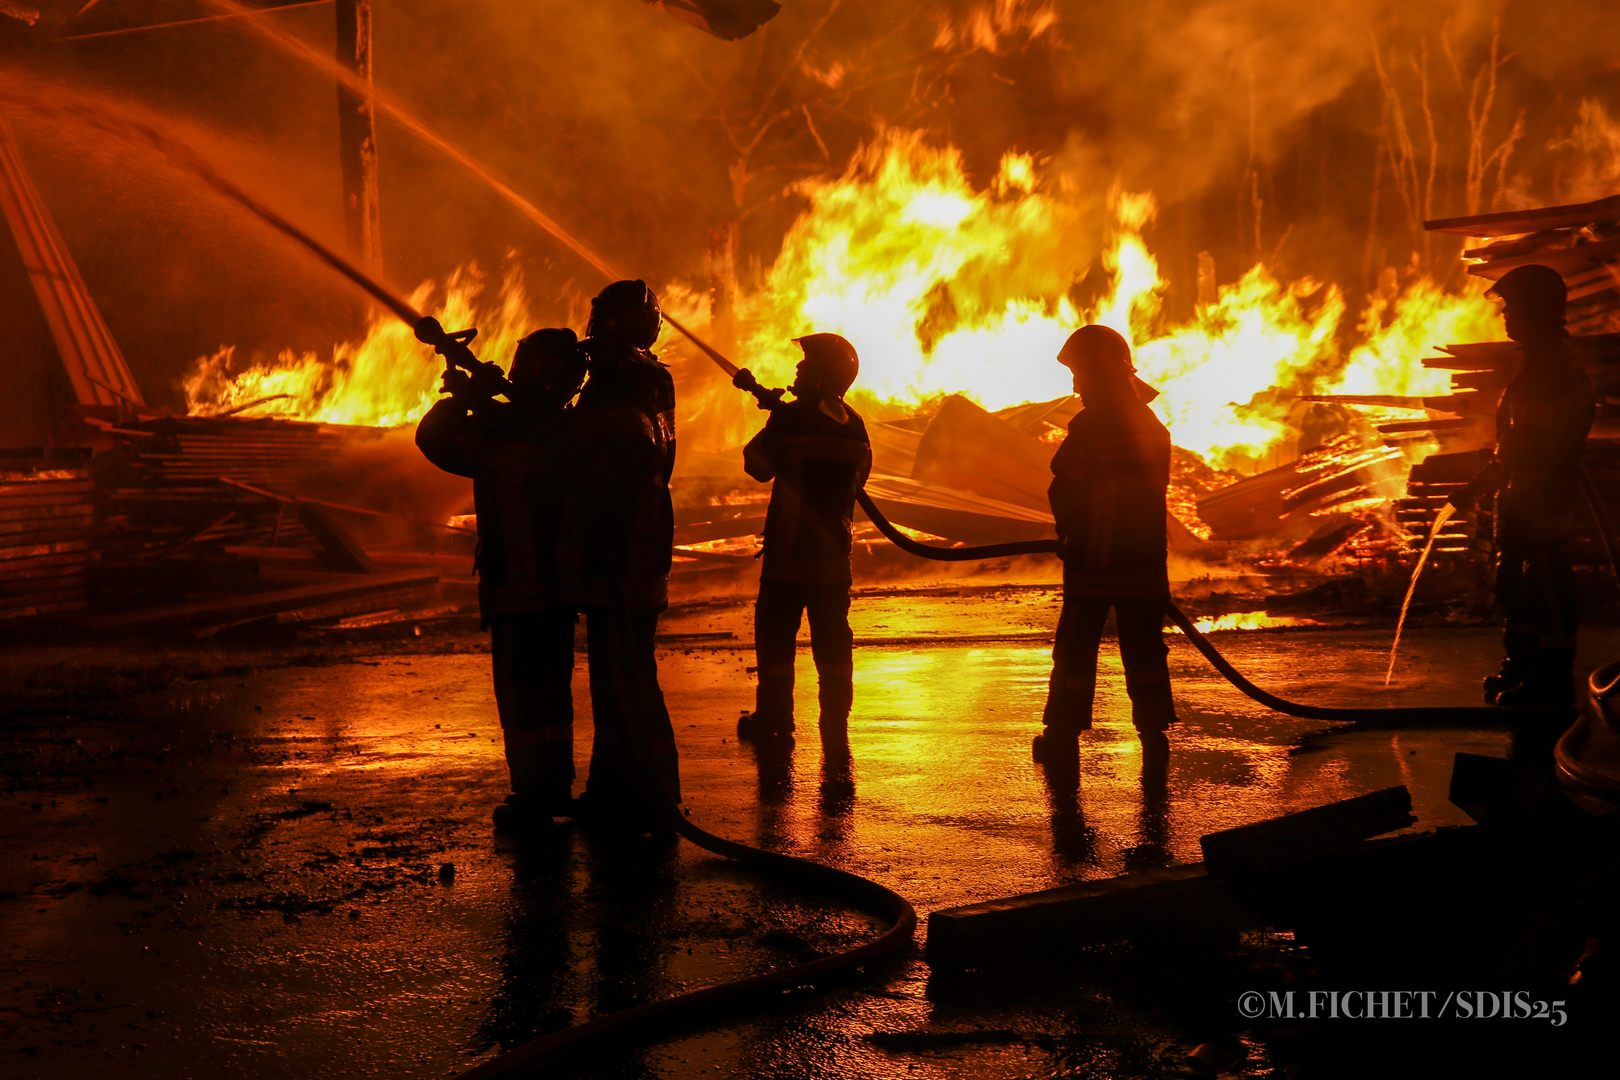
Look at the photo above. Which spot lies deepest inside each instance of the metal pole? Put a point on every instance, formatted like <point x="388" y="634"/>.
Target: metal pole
<point x="357" y="135"/>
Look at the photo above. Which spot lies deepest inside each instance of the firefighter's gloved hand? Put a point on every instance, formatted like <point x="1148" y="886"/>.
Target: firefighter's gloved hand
<point x="457" y="383"/>
<point x="488" y="380"/>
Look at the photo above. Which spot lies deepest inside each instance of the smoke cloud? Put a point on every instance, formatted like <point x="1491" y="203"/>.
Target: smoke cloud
<point x="1268" y="129"/>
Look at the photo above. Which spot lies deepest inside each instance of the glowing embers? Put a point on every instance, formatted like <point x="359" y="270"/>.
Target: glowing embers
<point x="386" y="379"/>
<point x="1247" y="620"/>
<point x="951" y="289"/>
<point x="947" y="287"/>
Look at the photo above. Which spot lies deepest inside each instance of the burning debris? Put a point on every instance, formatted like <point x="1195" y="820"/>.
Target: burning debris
<point x="46" y="533"/>
<point x="1582" y="243"/>
<point x="957" y="273"/>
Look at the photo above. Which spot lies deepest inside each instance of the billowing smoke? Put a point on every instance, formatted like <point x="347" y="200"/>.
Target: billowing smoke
<point x="1312" y="136"/>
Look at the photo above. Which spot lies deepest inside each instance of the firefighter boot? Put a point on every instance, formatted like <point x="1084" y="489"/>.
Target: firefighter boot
<point x="1055" y="749"/>
<point x="772" y="718"/>
<point x="836" y="696"/>
<point x="1548" y="684"/>
<point x="540" y="762"/>
<point x="1522" y="651"/>
<point x="761" y="727"/>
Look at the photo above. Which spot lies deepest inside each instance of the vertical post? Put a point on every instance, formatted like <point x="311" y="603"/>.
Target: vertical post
<point x="357" y="134"/>
<point x="723" y="288"/>
<point x="723" y="265"/>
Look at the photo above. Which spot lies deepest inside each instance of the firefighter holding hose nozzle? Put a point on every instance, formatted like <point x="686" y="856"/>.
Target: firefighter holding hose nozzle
<point x="1108" y="497"/>
<point x="1541" y="426"/>
<point x="815" y="453"/>
<point x="516" y="452"/>
<point x="615" y="559"/>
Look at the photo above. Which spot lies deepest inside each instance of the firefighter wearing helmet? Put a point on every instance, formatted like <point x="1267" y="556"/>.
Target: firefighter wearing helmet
<point x="515" y="453"/>
<point x="1541" y="426"/>
<point x="815" y="453"/>
<point x="615" y="554"/>
<point x="1108" y="498"/>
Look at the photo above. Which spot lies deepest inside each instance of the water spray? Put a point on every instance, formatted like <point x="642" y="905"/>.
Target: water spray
<point x="405" y="118"/>
<point x="1440" y="520"/>
<point x="454" y="346"/>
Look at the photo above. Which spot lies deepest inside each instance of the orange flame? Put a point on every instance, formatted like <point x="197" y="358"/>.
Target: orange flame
<point x="386" y="379"/>
<point x="946" y="287"/>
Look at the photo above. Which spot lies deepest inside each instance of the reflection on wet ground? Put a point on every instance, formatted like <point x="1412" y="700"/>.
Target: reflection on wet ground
<point x="226" y="867"/>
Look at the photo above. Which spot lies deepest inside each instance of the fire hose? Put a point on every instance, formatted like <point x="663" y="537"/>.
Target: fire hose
<point x="862" y="892"/>
<point x="750" y="991"/>
<point x="1411" y="715"/>
<point x="1408" y="715"/>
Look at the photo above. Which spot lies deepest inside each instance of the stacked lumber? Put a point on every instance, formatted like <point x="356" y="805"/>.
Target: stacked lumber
<point x="46" y="520"/>
<point x="1581" y="242"/>
<point x="1291" y="500"/>
<point x="206" y="522"/>
<point x="181" y="482"/>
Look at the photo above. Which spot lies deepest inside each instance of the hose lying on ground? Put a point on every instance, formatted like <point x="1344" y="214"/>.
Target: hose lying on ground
<point x="890" y="904"/>
<point x="867" y="894"/>
<point x="1405" y="715"/>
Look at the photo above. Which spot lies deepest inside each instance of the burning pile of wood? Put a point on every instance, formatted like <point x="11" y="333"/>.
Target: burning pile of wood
<point x="1582" y="243"/>
<point x="46" y="518"/>
<point x="206" y="522"/>
<point x="969" y="476"/>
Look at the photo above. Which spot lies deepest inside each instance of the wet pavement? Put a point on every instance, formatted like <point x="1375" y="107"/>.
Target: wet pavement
<point x="218" y="860"/>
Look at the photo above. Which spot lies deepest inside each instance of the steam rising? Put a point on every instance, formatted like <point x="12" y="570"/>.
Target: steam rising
<point x="1268" y="131"/>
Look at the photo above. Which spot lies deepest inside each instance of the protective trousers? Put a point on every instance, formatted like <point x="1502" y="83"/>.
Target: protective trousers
<point x="777" y="612"/>
<point x="533" y="659"/>
<point x="634" y="764"/>
<point x="1074" y="663"/>
<point x="1535" y="585"/>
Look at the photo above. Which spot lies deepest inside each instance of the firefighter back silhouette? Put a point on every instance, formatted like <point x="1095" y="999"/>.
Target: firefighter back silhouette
<point x="615" y="559"/>
<point x="515" y="452"/>
<point x="1108" y="498"/>
<point x="815" y="453"/>
<point x="1541" y="427"/>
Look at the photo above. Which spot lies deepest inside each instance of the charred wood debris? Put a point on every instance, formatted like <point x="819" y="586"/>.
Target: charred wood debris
<point x="194" y="524"/>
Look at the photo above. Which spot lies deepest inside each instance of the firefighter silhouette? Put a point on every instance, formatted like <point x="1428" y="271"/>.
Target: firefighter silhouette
<point x="815" y="453"/>
<point x="1541" y="427"/>
<point x="614" y="559"/>
<point x="515" y="453"/>
<point x="1108" y="498"/>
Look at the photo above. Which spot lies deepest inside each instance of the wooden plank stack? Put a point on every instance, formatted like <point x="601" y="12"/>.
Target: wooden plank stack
<point x="202" y="522"/>
<point x="1280" y="503"/>
<point x="46" y="522"/>
<point x="1581" y="242"/>
<point x="176" y="482"/>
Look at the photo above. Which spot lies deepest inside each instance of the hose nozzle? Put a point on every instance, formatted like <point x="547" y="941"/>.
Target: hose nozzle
<point x="768" y="397"/>
<point x="429" y="332"/>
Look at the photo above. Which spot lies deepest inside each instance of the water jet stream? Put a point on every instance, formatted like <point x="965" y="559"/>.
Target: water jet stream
<point x="399" y="114"/>
<point x="109" y="118"/>
<point x="1428" y="545"/>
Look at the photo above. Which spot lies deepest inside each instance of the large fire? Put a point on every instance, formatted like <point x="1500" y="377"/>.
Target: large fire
<point x="947" y="287"/>
<point x="386" y="379"/>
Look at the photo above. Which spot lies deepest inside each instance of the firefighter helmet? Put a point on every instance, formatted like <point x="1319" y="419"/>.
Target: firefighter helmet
<point x="627" y="311"/>
<point x="1536" y="288"/>
<point x="549" y="362"/>
<point x="830" y="360"/>
<point x="1101" y="360"/>
<point x="1096" y="345"/>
